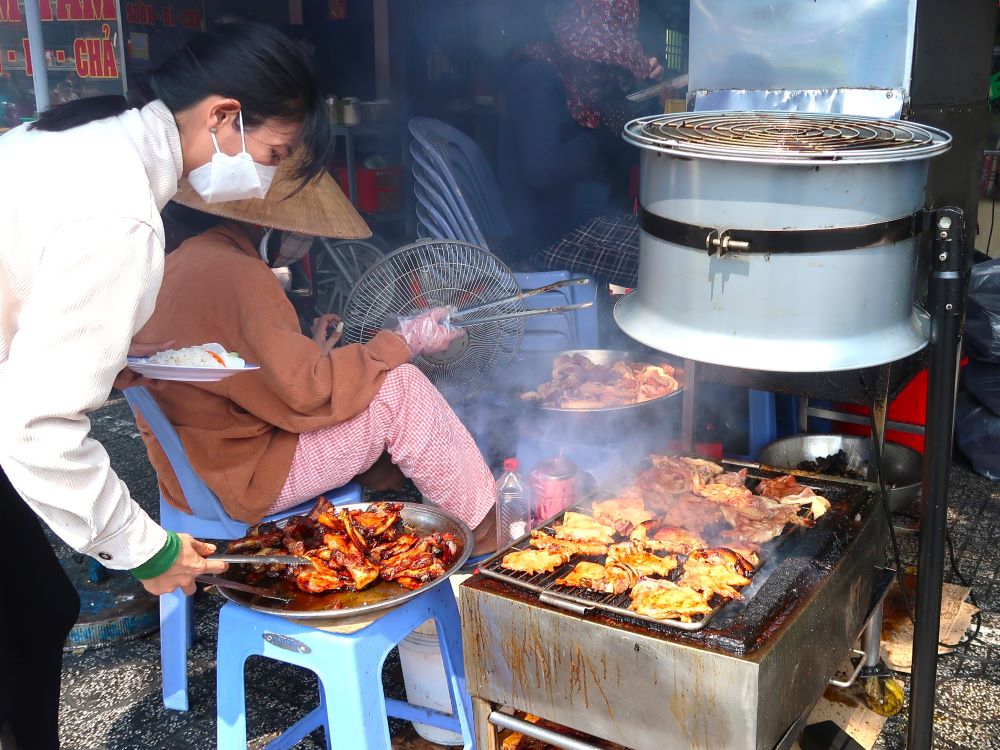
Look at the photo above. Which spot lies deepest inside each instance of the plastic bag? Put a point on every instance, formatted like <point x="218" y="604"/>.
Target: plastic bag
<point x="982" y="380"/>
<point x="427" y="331"/>
<point x="977" y="431"/>
<point x="982" y="317"/>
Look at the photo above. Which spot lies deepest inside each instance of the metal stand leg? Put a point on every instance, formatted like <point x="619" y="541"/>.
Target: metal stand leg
<point x="687" y="408"/>
<point x="871" y="639"/>
<point x="947" y="306"/>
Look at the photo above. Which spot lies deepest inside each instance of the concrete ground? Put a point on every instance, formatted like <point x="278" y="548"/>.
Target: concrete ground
<point x="111" y="696"/>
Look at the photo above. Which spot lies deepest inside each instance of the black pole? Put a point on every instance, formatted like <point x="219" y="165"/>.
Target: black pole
<point x="946" y="300"/>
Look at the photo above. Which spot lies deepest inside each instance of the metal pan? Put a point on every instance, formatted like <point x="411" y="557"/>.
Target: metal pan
<point x="417" y="519"/>
<point x="902" y="467"/>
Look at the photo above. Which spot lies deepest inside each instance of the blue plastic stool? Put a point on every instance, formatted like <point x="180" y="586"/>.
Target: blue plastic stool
<point x="208" y="520"/>
<point x="352" y="709"/>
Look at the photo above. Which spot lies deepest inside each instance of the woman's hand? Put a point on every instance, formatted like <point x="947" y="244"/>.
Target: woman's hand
<point x="429" y="331"/>
<point x="321" y="333"/>
<point x="190" y="564"/>
<point x="655" y="70"/>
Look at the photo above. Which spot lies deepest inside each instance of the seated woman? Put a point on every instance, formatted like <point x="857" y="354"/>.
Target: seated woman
<point x="313" y="416"/>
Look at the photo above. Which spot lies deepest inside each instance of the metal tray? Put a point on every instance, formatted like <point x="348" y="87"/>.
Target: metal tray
<point x="609" y="357"/>
<point x="417" y="519"/>
<point x="581" y="601"/>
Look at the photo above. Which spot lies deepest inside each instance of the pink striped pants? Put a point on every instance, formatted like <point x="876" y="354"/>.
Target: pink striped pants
<point x="411" y="420"/>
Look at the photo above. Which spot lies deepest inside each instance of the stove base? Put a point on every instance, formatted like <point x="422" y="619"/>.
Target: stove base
<point x="647" y="690"/>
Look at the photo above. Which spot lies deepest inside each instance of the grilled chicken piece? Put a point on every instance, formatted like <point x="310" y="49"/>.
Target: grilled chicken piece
<point x="397" y="546"/>
<point x="541" y="540"/>
<point x="760" y="522"/>
<point x="732" y="478"/>
<point x="723" y="494"/>
<point x="721" y="556"/>
<point x="613" y="578"/>
<point x="693" y="513"/>
<point x="321" y="577"/>
<point x="325" y="514"/>
<point x="363" y="573"/>
<point x="665" y="600"/>
<point x="577" y="527"/>
<point x="302" y="534"/>
<point x="263" y="535"/>
<point x="705" y="469"/>
<point x="778" y="487"/>
<point x="623" y="513"/>
<point x="746" y="550"/>
<point x="818" y="505"/>
<point x="634" y="555"/>
<point x="666" y="538"/>
<point x="669" y="476"/>
<point x="424" y="561"/>
<point x="716" y="571"/>
<point x="533" y="561"/>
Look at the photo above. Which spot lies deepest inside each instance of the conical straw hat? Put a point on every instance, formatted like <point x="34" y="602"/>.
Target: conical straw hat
<point x="319" y="209"/>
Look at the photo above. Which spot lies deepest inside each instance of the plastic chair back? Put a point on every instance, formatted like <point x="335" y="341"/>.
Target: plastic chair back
<point x="451" y="150"/>
<point x="442" y="192"/>
<point x="202" y="501"/>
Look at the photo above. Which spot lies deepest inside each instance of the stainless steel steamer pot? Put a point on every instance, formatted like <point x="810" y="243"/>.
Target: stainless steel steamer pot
<point x="712" y="180"/>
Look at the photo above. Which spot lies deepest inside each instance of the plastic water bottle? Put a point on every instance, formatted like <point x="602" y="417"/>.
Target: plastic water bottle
<point x="513" y="505"/>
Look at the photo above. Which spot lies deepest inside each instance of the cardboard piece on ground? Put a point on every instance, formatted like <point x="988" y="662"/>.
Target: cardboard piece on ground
<point x="897" y="630"/>
<point x="847" y="708"/>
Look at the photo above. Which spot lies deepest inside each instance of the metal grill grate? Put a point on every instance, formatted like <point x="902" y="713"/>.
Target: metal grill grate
<point x="840" y="494"/>
<point x="786" y="136"/>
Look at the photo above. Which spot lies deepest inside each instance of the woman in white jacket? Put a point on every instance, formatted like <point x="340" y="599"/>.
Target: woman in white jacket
<point x="80" y="266"/>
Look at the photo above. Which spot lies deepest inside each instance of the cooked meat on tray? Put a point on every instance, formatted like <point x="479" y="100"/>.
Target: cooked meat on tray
<point x="665" y="600"/>
<point x="623" y="513"/>
<point x="643" y="562"/>
<point x="533" y="561"/>
<point x="576" y="527"/>
<point x="349" y="549"/>
<point x="716" y="571"/>
<point x="656" y="536"/>
<point x="578" y="383"/>
<point x="541" y="540"/>
<point x="612" y="578"/>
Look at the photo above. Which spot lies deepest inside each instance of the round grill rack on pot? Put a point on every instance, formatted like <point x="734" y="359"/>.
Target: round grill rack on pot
<point x="434" y="273"/>
<point x="786" y="137"/>
<point x="780" y="241"/>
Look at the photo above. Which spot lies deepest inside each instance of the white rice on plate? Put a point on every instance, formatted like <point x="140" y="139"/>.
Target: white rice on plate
<point x="206" y="355"/>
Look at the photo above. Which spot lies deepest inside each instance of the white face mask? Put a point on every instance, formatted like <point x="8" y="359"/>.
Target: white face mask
<point x="231" y="178"/>
<point x="292" y="249"/>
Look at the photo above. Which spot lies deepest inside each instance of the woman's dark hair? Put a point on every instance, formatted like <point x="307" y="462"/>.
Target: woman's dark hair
<point x="257" y="65"/>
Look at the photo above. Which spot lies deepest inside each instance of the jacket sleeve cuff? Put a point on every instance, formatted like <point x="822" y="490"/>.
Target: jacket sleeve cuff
<point x="160" y="563"/>
<point x="389" y="348"/>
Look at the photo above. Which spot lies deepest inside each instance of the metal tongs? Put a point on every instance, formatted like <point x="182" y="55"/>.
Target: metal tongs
<point x="458" y="318"/>
<point x="225" y="583"/>
<point x="260" y="559"/>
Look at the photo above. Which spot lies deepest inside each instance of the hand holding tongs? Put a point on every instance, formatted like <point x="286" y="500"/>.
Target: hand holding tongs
<point x="457" y="318"/>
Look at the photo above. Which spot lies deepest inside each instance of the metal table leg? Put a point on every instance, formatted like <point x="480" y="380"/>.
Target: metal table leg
<point x="946" y="293"/>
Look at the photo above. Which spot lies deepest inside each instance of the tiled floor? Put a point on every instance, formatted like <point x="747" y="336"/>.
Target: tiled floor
<point x="111" y="696"/>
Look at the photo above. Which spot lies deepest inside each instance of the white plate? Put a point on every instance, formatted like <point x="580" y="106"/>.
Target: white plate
<point x="185" y="373"/>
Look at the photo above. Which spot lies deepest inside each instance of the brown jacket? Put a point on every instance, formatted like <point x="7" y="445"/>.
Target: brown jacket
<point x="240" y="433"/>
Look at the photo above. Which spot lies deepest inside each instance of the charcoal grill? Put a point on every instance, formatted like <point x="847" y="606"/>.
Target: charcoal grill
<point x="739" y="681"/>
